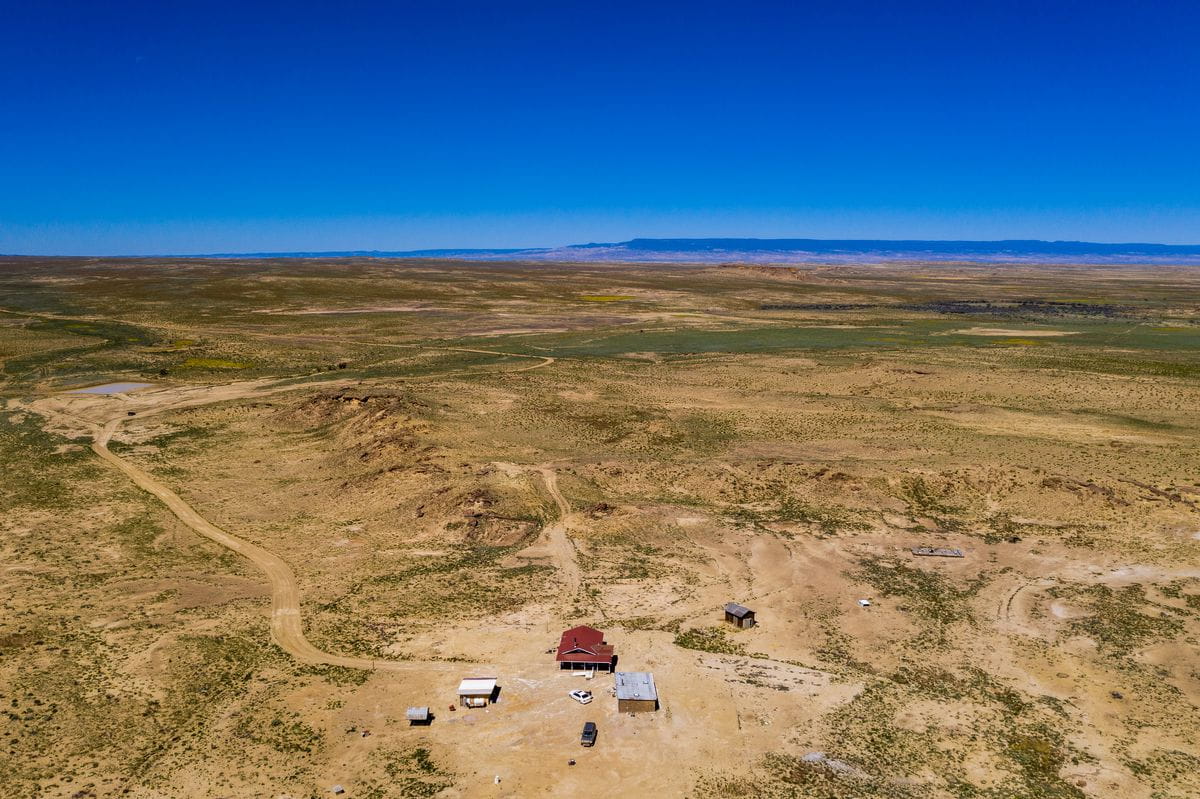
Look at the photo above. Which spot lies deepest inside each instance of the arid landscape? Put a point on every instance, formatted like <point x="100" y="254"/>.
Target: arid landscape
<point x="327" y="490"/>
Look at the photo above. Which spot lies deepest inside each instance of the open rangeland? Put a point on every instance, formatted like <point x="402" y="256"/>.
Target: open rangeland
<point x="345" y="485"/>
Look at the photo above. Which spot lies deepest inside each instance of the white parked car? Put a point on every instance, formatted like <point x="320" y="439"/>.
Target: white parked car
<point x="582" y="697"/>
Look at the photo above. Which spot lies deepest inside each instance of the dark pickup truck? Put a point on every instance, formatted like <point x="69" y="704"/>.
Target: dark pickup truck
<point x="589" y="734"/>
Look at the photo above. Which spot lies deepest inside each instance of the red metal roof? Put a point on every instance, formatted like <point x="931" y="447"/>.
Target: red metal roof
<point x="583" y="645"/>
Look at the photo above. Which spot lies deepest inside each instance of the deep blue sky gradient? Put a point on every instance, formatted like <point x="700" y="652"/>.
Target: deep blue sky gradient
<point x="153" y="127"/>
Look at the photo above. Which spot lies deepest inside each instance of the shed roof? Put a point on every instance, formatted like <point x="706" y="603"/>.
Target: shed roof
<point x="583" y="645"/>
<point x="477" y="686"/>
<point x="938" y="552"/>
<point x="635" y="685"/>
<point x="417" y="713"/>
<point x="741" y="611"/>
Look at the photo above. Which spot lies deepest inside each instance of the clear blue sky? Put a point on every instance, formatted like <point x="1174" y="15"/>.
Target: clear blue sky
<point x="155" y="127"/>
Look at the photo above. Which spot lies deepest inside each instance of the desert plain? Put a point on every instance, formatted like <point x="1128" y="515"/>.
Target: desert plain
<point x="325" y="491"/>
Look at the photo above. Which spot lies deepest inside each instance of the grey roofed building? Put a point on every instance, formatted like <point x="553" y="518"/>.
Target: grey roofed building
<point x="636" y="685"/>
<point x="938" y="552"/>
<point x="739" y="616"/>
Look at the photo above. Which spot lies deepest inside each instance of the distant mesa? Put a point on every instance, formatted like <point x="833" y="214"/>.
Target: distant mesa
<point x="719" y="250"/>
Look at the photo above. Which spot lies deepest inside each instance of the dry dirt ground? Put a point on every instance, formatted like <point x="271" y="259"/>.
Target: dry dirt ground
<point x="353" y="483"/>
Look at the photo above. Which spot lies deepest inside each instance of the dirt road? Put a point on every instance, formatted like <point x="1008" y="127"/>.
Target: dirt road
<point x="562" y="551"/>
<point x="287" y="629"/>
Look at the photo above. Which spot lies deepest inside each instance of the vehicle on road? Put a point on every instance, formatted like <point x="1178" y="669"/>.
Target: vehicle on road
<point x="582" y="697"/>
<point x="589" y="734"/>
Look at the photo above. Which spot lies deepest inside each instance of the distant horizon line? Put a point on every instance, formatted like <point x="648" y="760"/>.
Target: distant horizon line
<point x="677" y="248"/>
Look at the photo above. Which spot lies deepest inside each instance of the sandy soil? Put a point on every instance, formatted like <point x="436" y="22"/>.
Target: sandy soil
<point x="216" y="585"/>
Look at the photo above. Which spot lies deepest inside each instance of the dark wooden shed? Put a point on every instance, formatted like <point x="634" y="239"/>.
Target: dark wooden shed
<point x="739" y="615"/>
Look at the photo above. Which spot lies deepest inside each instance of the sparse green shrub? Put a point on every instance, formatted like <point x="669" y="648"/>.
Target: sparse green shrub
<point x="1118" y="620"/>
<point x="927" y="593"/>
<point x="709" y="639"/>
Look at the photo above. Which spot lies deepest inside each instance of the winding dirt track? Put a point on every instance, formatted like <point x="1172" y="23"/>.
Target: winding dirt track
<point x="287" y="627"/>
<point x="561" y="549"/>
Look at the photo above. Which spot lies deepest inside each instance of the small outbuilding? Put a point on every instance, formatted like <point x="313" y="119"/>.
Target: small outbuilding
<point x="584" y="649"/>
<point x="739" y="615"/>
<point x="477" y="691"/>
<point x="636" y="692"/>
<point x="938" y="552"/>
<point x="418" y="715"/>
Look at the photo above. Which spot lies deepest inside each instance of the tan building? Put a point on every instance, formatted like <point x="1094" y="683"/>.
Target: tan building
<point x="636" y="692"/>
<point x="476" y="691"/>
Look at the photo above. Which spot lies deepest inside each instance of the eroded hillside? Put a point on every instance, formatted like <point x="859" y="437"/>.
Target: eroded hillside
<point x="457" y="462"/>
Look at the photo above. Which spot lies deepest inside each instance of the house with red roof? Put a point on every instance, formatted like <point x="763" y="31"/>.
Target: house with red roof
<point x="582" y="648"/>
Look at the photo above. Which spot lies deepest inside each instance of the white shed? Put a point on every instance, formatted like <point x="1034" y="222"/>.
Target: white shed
<point x="476" y="691"/>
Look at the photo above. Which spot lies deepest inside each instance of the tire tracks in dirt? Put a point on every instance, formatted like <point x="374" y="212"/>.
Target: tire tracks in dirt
<point x="562" y="549"/>
<point x="287" y="626"/>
